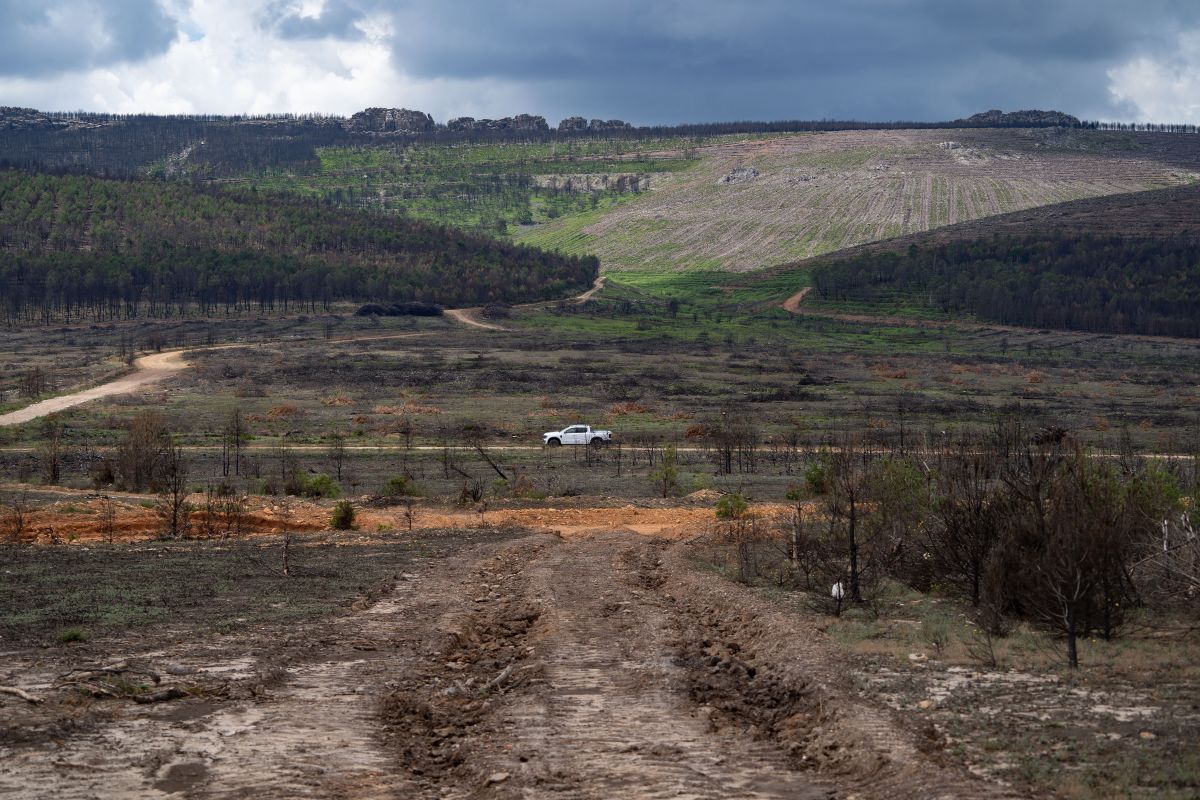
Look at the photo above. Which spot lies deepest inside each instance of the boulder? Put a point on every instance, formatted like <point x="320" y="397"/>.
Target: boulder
<point x="739" y="175"/>
<point x="1016" y="119"/>
<point x="390" y="120"/>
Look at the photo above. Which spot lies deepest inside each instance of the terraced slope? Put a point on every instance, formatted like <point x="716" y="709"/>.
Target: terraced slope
<point x="817" y="193"/>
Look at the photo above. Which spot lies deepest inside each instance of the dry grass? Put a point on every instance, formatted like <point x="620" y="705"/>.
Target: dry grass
<point x="820" y="193"/>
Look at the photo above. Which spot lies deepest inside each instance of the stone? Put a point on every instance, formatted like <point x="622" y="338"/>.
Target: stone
<point x="390" y="120"/>
<point x="739" y="175"/>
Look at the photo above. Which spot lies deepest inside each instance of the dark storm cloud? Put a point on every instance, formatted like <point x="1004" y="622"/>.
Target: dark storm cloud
<point x="45" y="37"/>
<point x="880" y="59"/>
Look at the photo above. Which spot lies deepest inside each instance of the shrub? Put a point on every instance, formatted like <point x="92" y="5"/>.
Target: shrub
<point x="731" y="506"/>
<point x="314" y="486"/>
<point x="817" y="476"/>
<point x="666" y="477"/>
<point x="343" y="516"/>
<point x="399" y="486"/>
<point x="69" y="635"/>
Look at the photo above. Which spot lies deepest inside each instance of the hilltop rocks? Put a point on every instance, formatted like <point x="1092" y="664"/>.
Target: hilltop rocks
<point x="739" y="175"/>
<point x="1017" y="119"/>
<point x="573" y="125"/>
<point x="519" y="123"/>
<point x="390" y="120"/>
<point x="581" y="125"/>
<point x="28" y="119"/>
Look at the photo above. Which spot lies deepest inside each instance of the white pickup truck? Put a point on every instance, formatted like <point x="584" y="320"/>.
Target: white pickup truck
<point x="576" y="434"/>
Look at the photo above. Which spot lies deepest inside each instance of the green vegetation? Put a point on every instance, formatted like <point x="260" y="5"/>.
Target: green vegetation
<point x="342" y="518"/>
<point x="79" y="246"/>
<point x="492" y="187"/>
<point x="1105" y="284"/>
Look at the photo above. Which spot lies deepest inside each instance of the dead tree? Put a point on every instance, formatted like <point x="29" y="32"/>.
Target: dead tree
<point x="16" y="508"/>
<point x="336" y="453"/>
<point x="173" y="507"/>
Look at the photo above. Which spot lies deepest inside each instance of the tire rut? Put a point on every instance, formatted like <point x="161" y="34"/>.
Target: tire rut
<point x="610" y="716"/>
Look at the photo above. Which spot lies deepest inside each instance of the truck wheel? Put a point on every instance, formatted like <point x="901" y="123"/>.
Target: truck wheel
<point x="597" y="442"/>
<point x="554" y="443"/>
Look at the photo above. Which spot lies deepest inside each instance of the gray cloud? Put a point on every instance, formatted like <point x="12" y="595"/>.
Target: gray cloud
<point x="47" y="37"/>
<point x="666" y="61"/>
<point x="336" y="20"/>
<point x="673" y="61"/>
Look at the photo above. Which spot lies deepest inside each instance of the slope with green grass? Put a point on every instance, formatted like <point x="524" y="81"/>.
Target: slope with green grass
<point x="822" y="192"/>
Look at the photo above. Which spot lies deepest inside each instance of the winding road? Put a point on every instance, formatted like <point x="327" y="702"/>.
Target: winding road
<point x="149" y="370"/>
<point x="153" y="368"/>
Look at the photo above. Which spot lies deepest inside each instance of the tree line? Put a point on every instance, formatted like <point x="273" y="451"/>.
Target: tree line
<point x="1079" y="281"/>
<point x="210" y="146"/>
<point x="74" y="246"/>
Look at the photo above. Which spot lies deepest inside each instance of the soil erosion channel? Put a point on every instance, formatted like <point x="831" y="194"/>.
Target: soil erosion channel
<point x="524" y="666"/>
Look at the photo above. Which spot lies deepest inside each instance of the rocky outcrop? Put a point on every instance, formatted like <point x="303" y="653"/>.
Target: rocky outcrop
<point x="390" y="120"/>
<point x="519" y="123"/>
<point x="739" y="175"/>
<point x="573" y="125"/>
<point x="581" y="125"/>
<point x="1016" y="119"/>
<point x="30" y="119"/>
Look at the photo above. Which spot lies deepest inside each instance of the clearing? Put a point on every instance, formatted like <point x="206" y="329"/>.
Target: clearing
<point x="817" y="193"/>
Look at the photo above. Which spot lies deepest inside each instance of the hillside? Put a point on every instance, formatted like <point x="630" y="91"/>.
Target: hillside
<point x="72" y="245"/>
<point x="760" y="203"/>
<point x="1122" y="264"/>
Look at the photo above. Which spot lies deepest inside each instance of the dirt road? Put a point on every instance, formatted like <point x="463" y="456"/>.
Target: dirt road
<point x="597" y="285"/>
<point x="792" y="304"/>
<point x="603" y="666"/>
<point x="466" y="316"/>
<point x="149" y="370"/>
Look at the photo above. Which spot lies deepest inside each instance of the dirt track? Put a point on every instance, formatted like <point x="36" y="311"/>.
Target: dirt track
<point x="150" y="369"/>
<point x="466" y="316"/>
<point x="603" y="666"/>
<point x="792" y="304"/>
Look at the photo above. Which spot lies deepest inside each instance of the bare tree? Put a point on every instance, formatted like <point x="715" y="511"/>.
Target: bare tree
<point x="16" y="508"/>
<point x="847" y="504"/>
<point x="336" y="453"/>
<point x="108" y="519"/>
<point x="967" y="518"/>
<point x="51" y="451"/>
<point x="141" y="454"/>
<point x="173" y="507"/>
<point x="33" y="383"/>
<point x="232" y="436"/>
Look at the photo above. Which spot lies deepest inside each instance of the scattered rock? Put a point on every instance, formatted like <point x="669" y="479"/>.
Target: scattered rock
<point x="496" y="777"/>
<point x="581" y="125"/>
<point x="1149" y="736"/>
<point x="521" y="122"/>
<point x="739" y="175"/>
<point x="925" y="705"/>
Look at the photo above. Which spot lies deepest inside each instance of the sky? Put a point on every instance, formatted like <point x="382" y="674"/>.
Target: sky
<point x="644" y="61"/>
